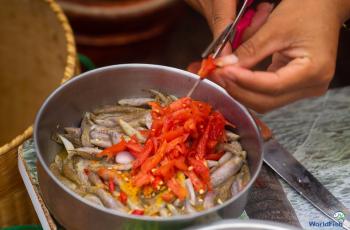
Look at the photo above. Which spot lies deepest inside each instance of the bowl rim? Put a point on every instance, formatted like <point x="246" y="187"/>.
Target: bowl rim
<point x="187" y="217"/>
<point x="245" y="224"/>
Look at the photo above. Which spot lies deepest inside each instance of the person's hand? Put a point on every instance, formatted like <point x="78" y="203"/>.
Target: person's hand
<point x="303" y="39"/>
<point x="217" y="13"/>
<point x="220" y="13"/>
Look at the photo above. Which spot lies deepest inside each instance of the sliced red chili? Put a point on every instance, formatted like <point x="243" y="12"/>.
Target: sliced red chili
<point x="111" y="185"/>
<point x="142" y="156"/>
<point x="207" y="66"/>
<point x="123" y="198"/>
<point x="168" y="197"/>
<point x="214" y="156"/>
<point x="142" y="179"/>
<point x="177" y="188"/>
<point x="112" y="151"/>
<point x="138" y="212"/>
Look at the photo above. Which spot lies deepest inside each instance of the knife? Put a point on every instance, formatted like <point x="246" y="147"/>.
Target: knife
<point x="300" y="179"/>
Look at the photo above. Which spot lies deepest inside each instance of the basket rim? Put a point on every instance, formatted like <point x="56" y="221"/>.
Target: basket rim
<point x="68" y="70"/>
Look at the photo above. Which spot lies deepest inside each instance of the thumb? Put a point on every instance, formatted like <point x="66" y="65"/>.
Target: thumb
<point x="261" y="45"/>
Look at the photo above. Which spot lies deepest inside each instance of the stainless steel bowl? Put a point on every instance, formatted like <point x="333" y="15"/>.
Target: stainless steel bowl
<point x="65" y="106"/>
<point x="244" y="225"/>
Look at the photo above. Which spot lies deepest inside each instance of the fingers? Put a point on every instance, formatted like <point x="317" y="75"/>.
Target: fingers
<point x="278" y="61"/>
<point x="227" y="60"/>
<point x="262" y="13"/>
<point x="296" y="74"/>
<point x="264" y="41"/>
<point x="194" y="67"/>
<point x="263" y="91"/>
<point x="222" y="15"/>
<point x="263" y="103"/>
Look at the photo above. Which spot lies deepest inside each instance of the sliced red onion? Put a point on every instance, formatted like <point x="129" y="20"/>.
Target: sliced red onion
<point x="124" y="157"/>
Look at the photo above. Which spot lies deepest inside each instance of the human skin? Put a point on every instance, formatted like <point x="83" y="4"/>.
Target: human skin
<point x="302" y="39"/>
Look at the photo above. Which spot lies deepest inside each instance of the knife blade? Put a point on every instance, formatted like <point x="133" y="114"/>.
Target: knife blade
<point x="301" y="180"/>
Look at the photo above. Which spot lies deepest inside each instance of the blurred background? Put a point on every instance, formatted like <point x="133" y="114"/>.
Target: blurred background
<point x="170" y="33"/>
<point x="165" y="32"/>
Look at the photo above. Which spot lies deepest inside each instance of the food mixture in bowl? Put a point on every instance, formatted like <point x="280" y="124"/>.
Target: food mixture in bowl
<point x="158" y="156"/>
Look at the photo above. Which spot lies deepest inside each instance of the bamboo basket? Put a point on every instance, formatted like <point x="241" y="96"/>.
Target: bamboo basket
<point x="37" y="53"/>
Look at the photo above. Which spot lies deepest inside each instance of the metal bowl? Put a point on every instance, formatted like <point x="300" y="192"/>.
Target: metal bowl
<point x="245" y="225"/>
<point x="65" y="106"/>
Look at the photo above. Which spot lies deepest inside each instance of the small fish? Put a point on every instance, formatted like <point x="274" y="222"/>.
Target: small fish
<point x="241" y="180"/>
<point x="80" y="165"/>
<point x="86" y="128"/>
<point x="178" y="203"/>
<point x="160" y="96"/>
<point x="67" y="145"/>
<point x="94" y="199"/>
<point x="95" y="179"/>
<point x="172" y="209"/>
<point x="106" y="130"/>
<point x="233" y="147"/>
<point x="209" y="199"/>
<point x="133" y="205"/>
<point x="224" y="158"/>
<point x="116" y="108"/>
<point x="69" y="172"/>
<point x="58" y="162"/>
<point x="115" y="137"/>
<point x="71" y="185"/>
<point x="76" y="132"/>
<point x="154" y="204"/>
<point x="130" y="131"/>
<point x="173" y="98"/>
<point x="101" y="143"/>
<point x="122" y="167"/>
<point x="135" y="101"/>
<point x="88" y="153"/>
<point x="227" y="170"/>
<point x="212" y="164"/>
<point x="106" y="122"/>
<point x="148" y="120"/>
<point x="224" y="190"/>
<point x="111" y="166"/>
<point x="164" y="212"/>
<point x="189" y="208"/>
<point x="191" y="194"/>
<point x="108" y="200"/>
<point x="232" y="136"/>
<point x="76" y="141"/>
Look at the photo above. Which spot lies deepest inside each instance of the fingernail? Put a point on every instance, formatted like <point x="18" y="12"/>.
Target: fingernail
<point x="226" y="60"/>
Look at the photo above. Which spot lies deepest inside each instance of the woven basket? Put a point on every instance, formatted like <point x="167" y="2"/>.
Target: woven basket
<point x="37" y="53"/>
